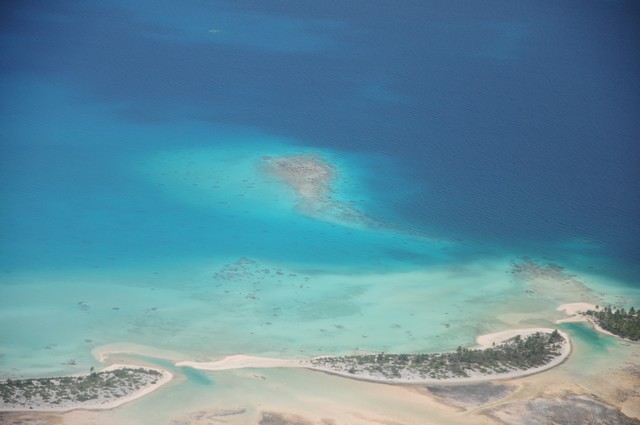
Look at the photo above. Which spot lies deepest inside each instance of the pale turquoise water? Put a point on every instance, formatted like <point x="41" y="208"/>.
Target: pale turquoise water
<point x="133" y="196"/>
<point x="585" y="335"/>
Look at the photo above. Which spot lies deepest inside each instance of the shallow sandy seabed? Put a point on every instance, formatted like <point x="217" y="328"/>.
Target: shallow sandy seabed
<point x="284" y="396"/>
<point x="484" y="341"/>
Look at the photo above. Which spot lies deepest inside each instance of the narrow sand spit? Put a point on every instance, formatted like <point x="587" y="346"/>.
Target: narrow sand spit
<point x="241" y="361"/>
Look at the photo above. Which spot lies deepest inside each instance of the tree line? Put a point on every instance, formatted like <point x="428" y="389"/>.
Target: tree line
<point x="515" y="354"/>
<point x="618" y="321"/>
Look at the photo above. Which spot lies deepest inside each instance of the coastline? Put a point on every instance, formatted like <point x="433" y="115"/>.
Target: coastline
<point x="576" y="312"/>
<point x="485" y="341"/>
<point x="100" y="404"/>
<point x="242" y="361"/>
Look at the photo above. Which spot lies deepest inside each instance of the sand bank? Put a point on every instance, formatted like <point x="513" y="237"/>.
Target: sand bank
<point x="241" y="361"/>
<point x="574" y="309"/>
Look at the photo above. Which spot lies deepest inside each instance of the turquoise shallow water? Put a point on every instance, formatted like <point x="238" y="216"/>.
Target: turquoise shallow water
<point x="200" y="251"/>
<point x="136" y="210"/>
<point x="586" y="335"/>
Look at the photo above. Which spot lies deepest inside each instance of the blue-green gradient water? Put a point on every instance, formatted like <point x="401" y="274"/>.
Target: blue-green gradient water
<point x="135" y="208"/>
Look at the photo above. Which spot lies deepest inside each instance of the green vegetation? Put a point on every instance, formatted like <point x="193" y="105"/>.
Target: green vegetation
<point x="96" y="387"/>
<point x="618" y="321"/>
<point x="516" y="354"/>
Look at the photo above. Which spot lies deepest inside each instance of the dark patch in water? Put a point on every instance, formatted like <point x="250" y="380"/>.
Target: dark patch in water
<point x="196" y="376"/>
<point x="572" y="410"/>
<point x="276" y="418"/>
<point x="471" y="395"/>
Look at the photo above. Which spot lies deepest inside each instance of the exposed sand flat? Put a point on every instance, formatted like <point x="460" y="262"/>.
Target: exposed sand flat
<point x="573" y="309"/>
<point x="101" y="403"/>
<point x="241" y="361"/>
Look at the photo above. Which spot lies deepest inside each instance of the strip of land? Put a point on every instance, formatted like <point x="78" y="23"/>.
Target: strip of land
<point x="411" y="369"/>
<point x="241" y="361"/>
<point x="503" y="355"/>
<point x="111" y="387"/>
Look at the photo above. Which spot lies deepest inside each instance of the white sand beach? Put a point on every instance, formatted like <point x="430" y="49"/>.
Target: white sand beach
<point x="484" y="341"/>
<point x="575" y="309"/>
<point x="576" y="312"/>
<point x="241" y="361"/>
<point x="101" y="403"/>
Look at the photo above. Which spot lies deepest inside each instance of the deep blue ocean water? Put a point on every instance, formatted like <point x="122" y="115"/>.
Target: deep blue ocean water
<point x="515" y="123"/>
<point x="509" y="128"/>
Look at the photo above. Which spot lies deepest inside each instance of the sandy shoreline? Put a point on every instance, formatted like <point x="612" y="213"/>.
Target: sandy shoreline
<point x="577" y="310"/>
<point x="241" y="361"/>
<point x="100" y="404"/>
<point x="484" y="341"/>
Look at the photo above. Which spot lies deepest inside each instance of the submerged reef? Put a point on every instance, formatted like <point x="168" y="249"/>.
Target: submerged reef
<point x="567" y="410"/>
<point x="313" y="180"/>
<point x="309" y="175"/>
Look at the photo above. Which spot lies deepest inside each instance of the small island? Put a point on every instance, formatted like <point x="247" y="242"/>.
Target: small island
<point x="514" y="357"/>
<point x="508" y="354"/>
<point x="106" y="389"/>
<point x="503" y="355"/>
<point x="618" y="321"/>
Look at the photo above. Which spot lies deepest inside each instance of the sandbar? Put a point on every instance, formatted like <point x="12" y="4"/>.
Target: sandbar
<point x="241" y="361"/>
